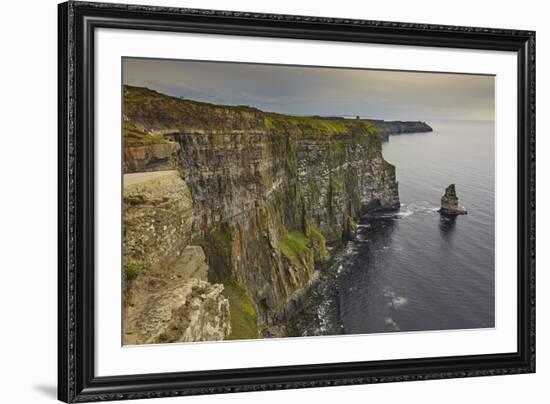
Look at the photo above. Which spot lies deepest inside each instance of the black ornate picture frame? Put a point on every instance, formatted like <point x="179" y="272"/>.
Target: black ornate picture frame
<point x="78" y="21"/>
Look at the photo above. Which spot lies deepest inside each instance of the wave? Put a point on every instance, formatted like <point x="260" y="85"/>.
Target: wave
<point x="394" y="301"/>
<point x="389" y="321"/>
<point x="404" y="211"/>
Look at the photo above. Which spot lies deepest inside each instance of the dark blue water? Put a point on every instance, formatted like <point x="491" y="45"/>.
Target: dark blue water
<point x="415" y="270"/>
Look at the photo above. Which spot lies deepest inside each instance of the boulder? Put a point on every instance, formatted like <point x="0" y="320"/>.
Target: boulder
<point x="189" y="311"/>
<point x="449" y="203"/>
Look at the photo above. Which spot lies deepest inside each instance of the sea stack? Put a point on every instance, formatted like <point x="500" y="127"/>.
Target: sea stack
<point x="449" y="203"/>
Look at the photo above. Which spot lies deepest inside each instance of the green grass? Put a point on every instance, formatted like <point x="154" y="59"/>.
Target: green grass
<point x="220" y="237"/>
<point x="217" y="245"/>
<point x="307" y="125"/>
<point x="134" y="94"/>
<point x="294" y="245"/>
<point x="244" y="320"/>
<point x="337" y="183"/>
<point x="338" y="149"/>
<point x="350" y="228"/>
<point x="163" y="337"/>
<point x="318" y="240"/>
<point x="146" y="107"/>
<point x="132" y="270"/>
<point x="351" y="223"/>
<point x="390" y="168"/>
<point x="133" y="137"/>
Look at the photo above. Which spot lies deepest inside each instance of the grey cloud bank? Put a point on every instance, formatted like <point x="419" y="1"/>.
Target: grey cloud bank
<point x="301" y="90"/>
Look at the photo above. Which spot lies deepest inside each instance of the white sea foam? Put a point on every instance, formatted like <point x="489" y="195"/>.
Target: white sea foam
<point x="394" y="301"/>
<point x="399" y="301"/>
<point x="390" y="321"/>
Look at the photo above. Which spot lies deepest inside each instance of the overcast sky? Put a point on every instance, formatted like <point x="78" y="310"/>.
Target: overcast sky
<point x="320" y="91"/>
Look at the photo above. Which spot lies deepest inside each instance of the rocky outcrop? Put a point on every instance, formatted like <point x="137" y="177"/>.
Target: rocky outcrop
<point x="167" y="296"/>
<point x="191" y="263"/>
<point x="155" y="157"/>
<point x="189" y="311"/>
<point x="269" y="193"/>
<point x="449" y="203"/>
<point x="158" y="219"/>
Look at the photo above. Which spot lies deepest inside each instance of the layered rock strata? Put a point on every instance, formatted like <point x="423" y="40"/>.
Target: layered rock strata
<point x="449" y="203"/>
<point x="155" y="157"/>
<point x="167" y="296"/>
<point x="270" y="194"/>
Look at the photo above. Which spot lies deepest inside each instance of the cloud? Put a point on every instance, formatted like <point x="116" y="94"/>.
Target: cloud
<point x="302" y="90"/>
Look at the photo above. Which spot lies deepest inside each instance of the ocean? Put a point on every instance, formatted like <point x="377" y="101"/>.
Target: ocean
<point x="414" y="270"/>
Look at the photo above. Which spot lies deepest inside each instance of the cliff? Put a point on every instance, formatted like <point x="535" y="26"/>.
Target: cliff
<point x="167" y="296"/>
<point x="270" y="194"/>
<point x="387" y="128"/>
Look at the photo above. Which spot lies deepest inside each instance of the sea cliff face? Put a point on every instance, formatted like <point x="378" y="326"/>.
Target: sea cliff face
<point x="271" y="194"/>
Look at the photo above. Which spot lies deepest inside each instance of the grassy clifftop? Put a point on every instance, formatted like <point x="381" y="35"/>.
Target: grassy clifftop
<point x="149" y="114"/>
<point x="152" y="112"/>
<point x="136" y="137"/>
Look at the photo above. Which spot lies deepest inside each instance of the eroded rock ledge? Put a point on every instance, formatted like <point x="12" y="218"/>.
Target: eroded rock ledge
<point x="167" y="296"/>
<point x="186" y="311"/>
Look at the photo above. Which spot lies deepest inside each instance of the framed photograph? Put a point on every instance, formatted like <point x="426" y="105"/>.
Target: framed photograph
<point x="254" y="202"/>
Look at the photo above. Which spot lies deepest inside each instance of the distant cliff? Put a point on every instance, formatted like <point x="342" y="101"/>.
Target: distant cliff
<point x="270" y="193"/>
<point x="387" y="128"/>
